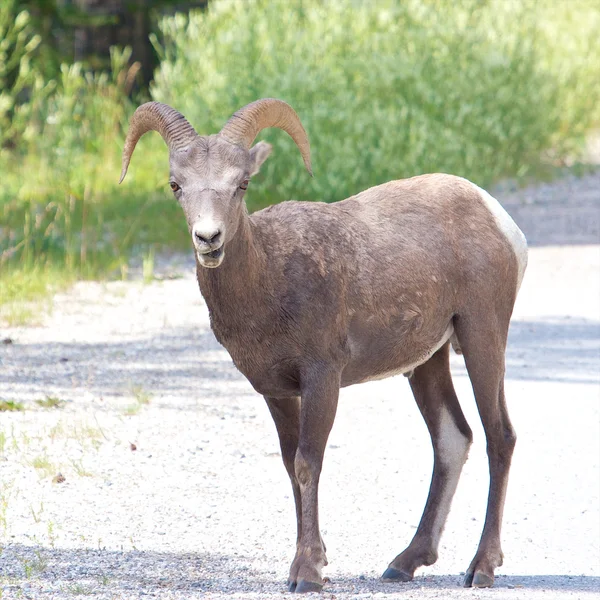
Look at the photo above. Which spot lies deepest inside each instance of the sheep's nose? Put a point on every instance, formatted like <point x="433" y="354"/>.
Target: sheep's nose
<point x="210" y="237"/>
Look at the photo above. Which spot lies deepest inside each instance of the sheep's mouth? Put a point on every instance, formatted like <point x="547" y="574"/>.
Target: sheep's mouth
<point x="215" y="253"/>
<point x="211" y="259"/>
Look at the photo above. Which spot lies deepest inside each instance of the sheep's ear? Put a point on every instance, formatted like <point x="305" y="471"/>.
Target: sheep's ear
<point x="258" y="155"/>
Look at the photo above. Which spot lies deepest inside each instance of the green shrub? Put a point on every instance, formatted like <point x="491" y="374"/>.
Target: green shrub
<point x="17" y="44"/>
<point x="389" y="89"/>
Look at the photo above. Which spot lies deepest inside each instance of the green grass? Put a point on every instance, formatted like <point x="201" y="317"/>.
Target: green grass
<point x="11" y="406"/>
<point x="51" y="402"/>
<point x="141" y="398"/>
<point x="141" y="395"/>
<point x="80" y="469"/>
<point x="35" y="566"/>
<point x="37" y="515"/>
<point x="25" y="293"/>
<point x="131" y="410"/>
<point x="78" y="589"/>
<point x="43" y="465"/>
<point x="388" y="89"/>
<point x="47" y="402"/>
<point x="148" y="266"/>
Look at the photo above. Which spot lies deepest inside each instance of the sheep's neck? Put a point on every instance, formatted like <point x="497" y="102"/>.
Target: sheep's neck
<point x="232" y="290"/>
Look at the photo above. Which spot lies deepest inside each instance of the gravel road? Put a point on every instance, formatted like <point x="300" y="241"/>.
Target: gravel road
<point x="173" y="485"/>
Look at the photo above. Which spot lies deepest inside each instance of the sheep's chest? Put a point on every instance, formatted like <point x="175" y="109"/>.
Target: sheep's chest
<point x="262" y="354"/>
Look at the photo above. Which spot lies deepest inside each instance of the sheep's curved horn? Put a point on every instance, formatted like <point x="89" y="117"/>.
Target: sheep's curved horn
<point x="243" y="127"/>
<point x="155" y="116"/>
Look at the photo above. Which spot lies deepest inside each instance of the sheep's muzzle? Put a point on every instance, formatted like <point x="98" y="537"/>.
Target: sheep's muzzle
<point x="211" y="259"/>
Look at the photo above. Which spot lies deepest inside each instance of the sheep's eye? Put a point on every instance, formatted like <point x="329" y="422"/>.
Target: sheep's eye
<point x="244" y="185"/>
<point x="174" y="186"/>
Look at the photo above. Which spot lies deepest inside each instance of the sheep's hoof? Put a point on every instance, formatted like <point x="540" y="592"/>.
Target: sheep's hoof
<point x="392" y="574"/>
<point x="304" y="587"/>
<point x="478" y="580"/>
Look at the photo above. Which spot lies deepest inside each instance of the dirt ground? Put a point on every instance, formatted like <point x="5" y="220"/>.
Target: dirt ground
<point x="173" y="485"/>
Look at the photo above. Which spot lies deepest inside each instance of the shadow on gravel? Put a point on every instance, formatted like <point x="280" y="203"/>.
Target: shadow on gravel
<point x="561" y="350"/>
<point x="183" y="362"/>
<point x="558" y="225"/>
<point x="190" y="364"/>
<point x="83" y="572"/>
<point x="560" y="212"/>
<point x="45" y="571"/>
<point x="571" y="583"/>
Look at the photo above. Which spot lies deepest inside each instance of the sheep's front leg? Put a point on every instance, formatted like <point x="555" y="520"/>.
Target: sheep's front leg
<point x="319" y="391"/>
<point x="286" y="415"/>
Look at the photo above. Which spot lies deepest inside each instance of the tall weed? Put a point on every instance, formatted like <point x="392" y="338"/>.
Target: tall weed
<point x="17" y="78"/>
<point x="61" y="209"/>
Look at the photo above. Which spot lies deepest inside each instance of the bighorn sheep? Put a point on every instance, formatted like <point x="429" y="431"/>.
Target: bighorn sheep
<point x="308" y="297"/>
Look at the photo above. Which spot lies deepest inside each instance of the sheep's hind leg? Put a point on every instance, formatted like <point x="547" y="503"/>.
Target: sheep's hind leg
<point x="451" y="436"/>
<point x="483" y="346"/>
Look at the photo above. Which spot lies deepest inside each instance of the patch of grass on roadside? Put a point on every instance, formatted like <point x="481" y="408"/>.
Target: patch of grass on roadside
<point x="11" y="406"/>
<point x="50" y="533"/>
<point x="42" y="463"/>
<point x="87" y="435"/>
<point x="26" y="294"/>
<point x="142" y="398"/>
<point x="131" y="410"/>
<point x="80" y="469"/>
<point x="148" y="266"/>
<point x="51" y="402"/>
<point x="35" y="566"/>
<point x="47" y="402"/>
<point x="141" y="395"/>
<point x="37" y="515"/>
<point x="57" y="431"/>
<point x="5" y="494"/>
<point x="78" y="589"/>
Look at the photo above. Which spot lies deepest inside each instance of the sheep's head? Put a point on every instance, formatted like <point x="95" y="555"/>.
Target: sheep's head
<point x="209" y="175"/>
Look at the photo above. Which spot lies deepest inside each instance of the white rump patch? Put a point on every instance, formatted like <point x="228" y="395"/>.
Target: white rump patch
<point x="508" y="227"/>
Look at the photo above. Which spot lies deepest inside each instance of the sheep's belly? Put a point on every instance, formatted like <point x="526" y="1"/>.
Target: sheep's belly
<point x="403" y="369"/>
